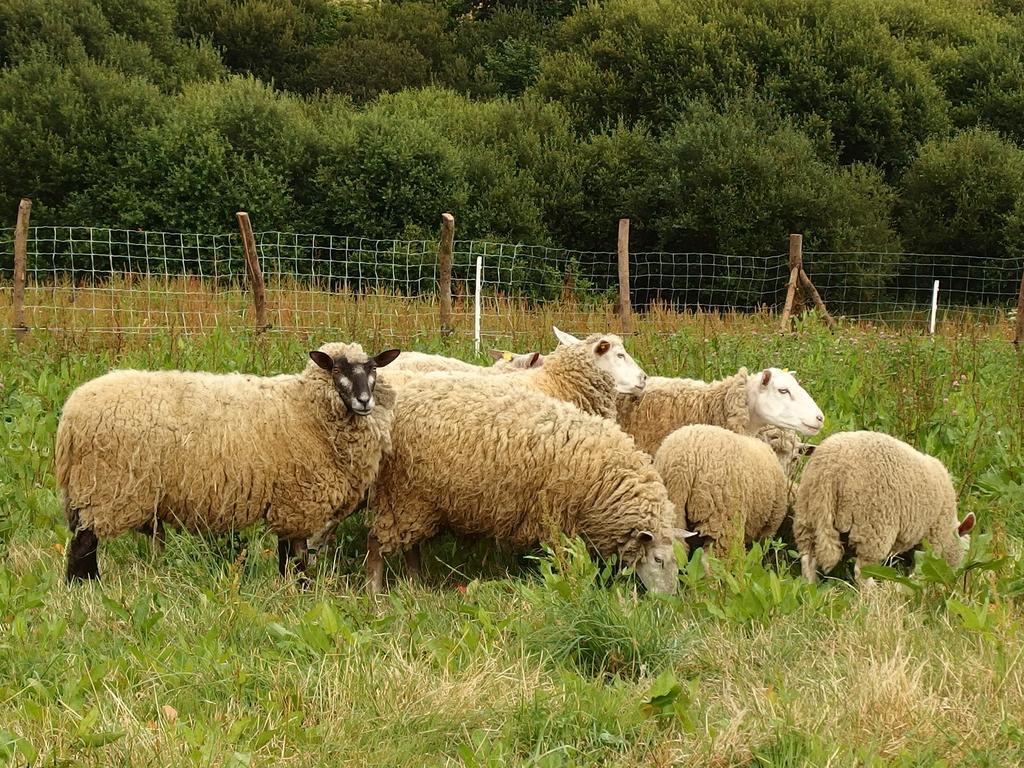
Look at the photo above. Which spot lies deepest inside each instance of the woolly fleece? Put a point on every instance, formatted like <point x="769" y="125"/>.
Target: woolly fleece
<point x="882" y="492"/>
<point x="215" y="452"/>
<point x="669" y="403"/>
<point x="786" y="445"/>
<point x="724" y="485"/>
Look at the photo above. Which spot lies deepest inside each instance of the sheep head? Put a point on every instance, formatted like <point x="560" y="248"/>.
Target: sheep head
<point x="775" y="397"/>
<point x="611" y="357"/>
<point x="354" y="376"/>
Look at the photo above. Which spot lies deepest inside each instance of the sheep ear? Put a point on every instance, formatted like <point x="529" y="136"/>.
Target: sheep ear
<point x="322" y="359"/>
<point x="497" y="354"/>
<point x="535" y="360"/>
<point x="966" y="525"/>
<point x="387" y="356"/>
<point x="682" y="534"/>
<point x="565" y="338"/>
<point x="644" y="537"/>
<point x="766" y="376"/>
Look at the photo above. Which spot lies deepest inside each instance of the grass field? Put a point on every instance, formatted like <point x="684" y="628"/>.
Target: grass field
<point x="203" y="656"/>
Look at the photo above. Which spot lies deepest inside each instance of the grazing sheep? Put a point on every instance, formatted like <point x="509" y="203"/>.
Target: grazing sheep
<point x="476" y="458"/>
<point x="883" y="494"/>
<point x="726" y="487"/>
<point x="741" y="403"/>
<point x="505" y="362"/>
<point x="216" y="453"/>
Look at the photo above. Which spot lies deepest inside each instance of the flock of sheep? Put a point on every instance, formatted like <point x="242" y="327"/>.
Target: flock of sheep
<point x="578" y="441"/>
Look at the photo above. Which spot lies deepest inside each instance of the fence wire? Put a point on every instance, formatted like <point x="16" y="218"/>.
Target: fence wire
<point x="88" y="278"/>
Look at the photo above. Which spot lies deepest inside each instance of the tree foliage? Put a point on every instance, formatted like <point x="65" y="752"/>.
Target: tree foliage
<point x="865" y="124"/>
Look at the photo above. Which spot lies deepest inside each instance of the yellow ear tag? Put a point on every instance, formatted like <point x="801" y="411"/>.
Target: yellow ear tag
<point x="507" y="356"/>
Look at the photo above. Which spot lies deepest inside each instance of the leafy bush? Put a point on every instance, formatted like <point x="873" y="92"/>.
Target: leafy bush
<point x="826" y="62"/>
<point x="61" y="127"/>
<point x="963" y="196"/>
<point x="136" y="37"/>
<point x="739" y="181"/>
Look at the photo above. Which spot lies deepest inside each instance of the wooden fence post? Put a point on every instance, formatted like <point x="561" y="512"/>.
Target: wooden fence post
<point x="625" y="307"/>
<point x="20" y="268"/>
<point x="796" y="261"/>
<point x="807" y="285"/>
<point x="252" y="264"/>
<point x="444" y="274"/>
<point x="1018" y="335"/>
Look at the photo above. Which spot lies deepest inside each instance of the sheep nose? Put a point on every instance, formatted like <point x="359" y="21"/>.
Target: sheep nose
<point x="363" y="398"/>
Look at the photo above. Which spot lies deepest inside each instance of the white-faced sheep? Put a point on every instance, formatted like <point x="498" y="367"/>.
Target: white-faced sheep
<point x="476" y="458"/>
<point x="742" y="403"/>
<point x="726" y="487"/>
<point x="587" y="373"/>
<point x="216" y="453"/>
<point x="881" y="493"/>
<point x="505" y="362"/>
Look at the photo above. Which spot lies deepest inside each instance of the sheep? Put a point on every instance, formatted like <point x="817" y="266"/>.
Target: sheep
<point x="880" y="492"/>
<point x="505" y="362"/>
<point x="727" y="487"/>
<point x="478" y="458"/>
<point x="742" y="403"/>
<point x="586" y="373"/>
<point x="216" y="453"/>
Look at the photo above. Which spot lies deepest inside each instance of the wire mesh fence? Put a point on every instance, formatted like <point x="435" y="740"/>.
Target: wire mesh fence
<point x="88" y="278"/>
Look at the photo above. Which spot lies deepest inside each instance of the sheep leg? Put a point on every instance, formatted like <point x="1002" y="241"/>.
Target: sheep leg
<point x="856" y="572"/>
<point x="283" y="551"/>
<point x="809" y="568"/>
<point x="297" y="552"/>
<point x="374" y="566"/>
<point x="82" y="563"/>
<point x="412" y="562"/>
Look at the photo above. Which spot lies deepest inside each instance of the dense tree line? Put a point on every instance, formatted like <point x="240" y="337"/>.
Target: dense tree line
<point x="877" y="125"/>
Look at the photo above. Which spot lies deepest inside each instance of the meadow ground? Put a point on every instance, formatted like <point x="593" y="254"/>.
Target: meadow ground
<point x="203" y="656"/>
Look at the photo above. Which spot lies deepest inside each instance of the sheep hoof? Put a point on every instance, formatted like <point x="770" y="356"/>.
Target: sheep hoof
<point x="413" y="567"/>
<point x="82" y="564"/>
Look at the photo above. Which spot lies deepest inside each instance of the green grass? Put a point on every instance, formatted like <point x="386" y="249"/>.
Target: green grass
<point x="203" y="656"/>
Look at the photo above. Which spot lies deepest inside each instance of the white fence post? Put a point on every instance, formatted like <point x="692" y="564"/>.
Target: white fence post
<point x="476" y="309"/>
<point x="935" y="305"/>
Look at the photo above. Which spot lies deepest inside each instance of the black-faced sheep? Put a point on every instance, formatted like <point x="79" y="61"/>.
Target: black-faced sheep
<point x="216" y="453"/>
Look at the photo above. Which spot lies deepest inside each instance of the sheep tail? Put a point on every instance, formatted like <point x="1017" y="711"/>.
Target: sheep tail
<point x="814" y="525"/>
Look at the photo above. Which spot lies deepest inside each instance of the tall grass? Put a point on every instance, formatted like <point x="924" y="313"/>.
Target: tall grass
<point x="201" y="655"/>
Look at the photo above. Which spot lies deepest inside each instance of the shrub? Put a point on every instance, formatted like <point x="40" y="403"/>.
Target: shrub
<point x="62" y="127"/>
<point x="738" y="182"/>
<point x="195" y="169"/>
<point x="135" y="37"/>
<point x="825" y="61"/>
<point x="962" y="196"/>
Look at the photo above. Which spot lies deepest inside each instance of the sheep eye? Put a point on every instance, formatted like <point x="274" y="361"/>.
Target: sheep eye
<point x="622" y="355"/>
<point x="783" y="391"/>
<point x="658" y="560"/>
